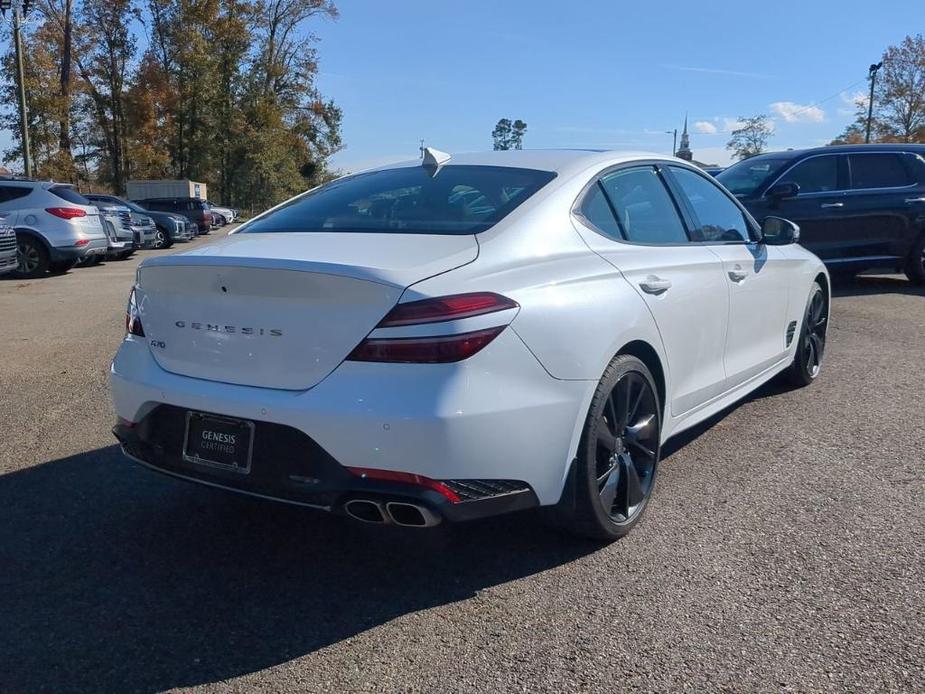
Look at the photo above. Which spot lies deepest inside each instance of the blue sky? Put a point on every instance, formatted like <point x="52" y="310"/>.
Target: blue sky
<point x="598" y="73"/>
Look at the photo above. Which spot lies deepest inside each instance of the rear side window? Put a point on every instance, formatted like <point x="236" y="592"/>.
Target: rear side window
<point x="457" y="200"/>
<point x="878" y="171"/>
<point x="596" y="210"/>
<point x="8" y="193"/>
<point x="645" y="211"/>
<point x="718" y="218"/>
<point x="814" y="175"/>
<point x="68" y="194"/>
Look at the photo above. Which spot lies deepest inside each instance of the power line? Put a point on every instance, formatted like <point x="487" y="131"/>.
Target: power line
<point x="822" y="101"/>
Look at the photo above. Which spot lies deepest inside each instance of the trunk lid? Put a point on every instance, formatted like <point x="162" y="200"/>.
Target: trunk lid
<point x="281" y="310"/>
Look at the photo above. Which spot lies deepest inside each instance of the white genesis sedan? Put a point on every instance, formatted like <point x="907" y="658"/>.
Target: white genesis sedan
<point x="466" y="335"/>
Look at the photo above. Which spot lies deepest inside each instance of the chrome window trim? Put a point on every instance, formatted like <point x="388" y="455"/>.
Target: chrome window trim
<point x="849" y="191"/>
<point x="655" y="163"/>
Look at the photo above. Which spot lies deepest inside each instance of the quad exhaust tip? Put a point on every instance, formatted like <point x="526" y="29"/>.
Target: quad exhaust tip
<point x="401" y="513"/>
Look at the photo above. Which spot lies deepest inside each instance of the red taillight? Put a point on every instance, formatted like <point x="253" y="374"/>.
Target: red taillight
<point x="132" y="321"/>
<point x="406" y="478"/>
<point x="446" y="308"/>
<point x="81" y="242"/>
<point x="66" y="212"/>
<point x="441" y="349"/>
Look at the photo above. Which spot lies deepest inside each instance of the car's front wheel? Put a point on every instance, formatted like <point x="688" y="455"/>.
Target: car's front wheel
<point x="807" y="361"/>
<point x="159" y="239"/>
<point x="618" y="455"/>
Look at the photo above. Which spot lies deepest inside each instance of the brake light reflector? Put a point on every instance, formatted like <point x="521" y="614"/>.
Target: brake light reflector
<point x="439" y="349"/>
<point x="446" y="308"/>
<point x="81" y="242"/>
<point x="406" y="478"/>
<point x="66" y="212"/>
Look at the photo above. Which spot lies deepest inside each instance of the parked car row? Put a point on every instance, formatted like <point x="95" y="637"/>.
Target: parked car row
<point x="859" y="207"/>
<point x="51" y="227"/>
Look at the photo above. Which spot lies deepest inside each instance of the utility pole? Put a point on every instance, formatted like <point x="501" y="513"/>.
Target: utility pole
<point x="872" y="76"/>
<point x="20" y="9"/>
<point x="674" y="142"/>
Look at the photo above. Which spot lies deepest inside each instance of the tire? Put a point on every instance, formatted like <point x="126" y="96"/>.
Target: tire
<point x="33" y="258"/>
<point x="61" y="267"/>
<point x="125" y="255"/>
<point x="807" y="362"/>
<point x="159" y="239"/>
<point x="915" y="267"/>
<point x="614" y="473"/>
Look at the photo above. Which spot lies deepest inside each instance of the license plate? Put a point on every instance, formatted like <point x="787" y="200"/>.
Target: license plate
<point x="220" y="442"/>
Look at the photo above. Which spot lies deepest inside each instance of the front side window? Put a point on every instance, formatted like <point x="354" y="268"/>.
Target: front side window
<point x="459" y="199"/>
<point x="814" y="175"/>
<point x="718" y="219"/>
<point x="645" y="211"/>
<point x="876" y="170"/>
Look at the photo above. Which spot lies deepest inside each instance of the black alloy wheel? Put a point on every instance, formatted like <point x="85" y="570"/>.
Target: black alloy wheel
<point x="627" y="448"/>
<point x="807" y="362"/>
<point x="619" y="453"/>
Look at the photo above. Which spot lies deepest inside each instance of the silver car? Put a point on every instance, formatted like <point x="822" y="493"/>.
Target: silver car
<point x="55" y="225"/>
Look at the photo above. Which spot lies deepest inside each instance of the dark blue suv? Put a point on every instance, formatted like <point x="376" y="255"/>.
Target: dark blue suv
<point x="859" y="207"/>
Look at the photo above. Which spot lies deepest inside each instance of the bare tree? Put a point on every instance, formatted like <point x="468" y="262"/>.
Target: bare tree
<point x="751" y="137"/>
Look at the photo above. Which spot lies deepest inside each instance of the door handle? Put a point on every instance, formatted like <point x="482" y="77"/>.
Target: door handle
<point x="655" y="285"/>
<point x="737" y="274"/>
<point x="910" y="200"/>
<point x="827" y="205"/>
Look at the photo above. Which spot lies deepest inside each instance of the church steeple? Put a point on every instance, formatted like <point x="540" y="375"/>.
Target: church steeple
<point x="684" y="151"/>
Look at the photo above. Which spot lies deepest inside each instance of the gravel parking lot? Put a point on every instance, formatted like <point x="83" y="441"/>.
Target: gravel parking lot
<point x="784" y="549"/>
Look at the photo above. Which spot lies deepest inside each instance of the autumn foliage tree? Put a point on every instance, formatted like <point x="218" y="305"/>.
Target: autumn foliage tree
<point x="221" y="91"/>
<point x="899" y="98"/>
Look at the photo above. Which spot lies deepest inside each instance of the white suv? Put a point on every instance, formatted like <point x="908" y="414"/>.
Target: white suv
<point x="55" y="225"/>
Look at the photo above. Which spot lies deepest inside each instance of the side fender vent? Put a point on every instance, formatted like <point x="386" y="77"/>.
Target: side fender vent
<point x="791" y="329"/>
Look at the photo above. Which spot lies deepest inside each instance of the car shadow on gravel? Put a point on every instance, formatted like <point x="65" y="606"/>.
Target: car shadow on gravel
<point x="864" y="285"/>
<point x="113" y="578"/>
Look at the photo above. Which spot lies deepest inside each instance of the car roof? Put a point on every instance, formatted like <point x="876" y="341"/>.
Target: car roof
<point x="560" y="161"/>
<point x="841" y="149"/>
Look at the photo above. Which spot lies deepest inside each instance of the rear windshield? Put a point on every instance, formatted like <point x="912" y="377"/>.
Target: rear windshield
<point x="744" y="178"/>
<point x="69" y="194"/>
<point x="458" y="200"/>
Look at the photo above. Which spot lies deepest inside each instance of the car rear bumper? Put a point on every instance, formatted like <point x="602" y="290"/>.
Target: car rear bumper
<point x="497" y="416"/>
<point x="97" y="246"/>
<point x="290" y="467"/>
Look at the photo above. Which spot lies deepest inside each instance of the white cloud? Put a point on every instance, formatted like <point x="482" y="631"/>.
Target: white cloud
<point x="852" y="102"/>
<point x="798" y="113"/>
<point x="704" y="127"/>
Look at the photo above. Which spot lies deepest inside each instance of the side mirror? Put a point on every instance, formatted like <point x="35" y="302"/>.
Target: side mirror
<point x="777" y="231"/>
<point x="780" y="191"/>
